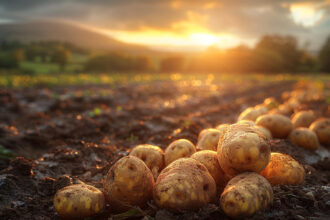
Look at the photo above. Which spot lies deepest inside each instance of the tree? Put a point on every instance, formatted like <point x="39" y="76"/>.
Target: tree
<point x="172" y="64"/>
<point x="324" y="56"/>
<point x="61" y="56"/>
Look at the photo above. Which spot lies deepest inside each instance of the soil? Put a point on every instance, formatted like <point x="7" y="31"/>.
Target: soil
<point x="64" y="135"/>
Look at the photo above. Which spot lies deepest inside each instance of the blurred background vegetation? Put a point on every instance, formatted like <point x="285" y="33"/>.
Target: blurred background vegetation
<point x="271" y="54"/>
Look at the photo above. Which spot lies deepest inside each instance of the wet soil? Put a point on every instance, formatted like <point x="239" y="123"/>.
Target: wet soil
<point x="64" y="135"/>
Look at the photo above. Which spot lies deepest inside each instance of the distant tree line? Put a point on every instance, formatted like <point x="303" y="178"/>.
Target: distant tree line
<point x="271" y="54"/>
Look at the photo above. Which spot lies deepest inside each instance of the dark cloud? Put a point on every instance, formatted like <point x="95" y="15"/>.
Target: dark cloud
<point x="249" y="19"/>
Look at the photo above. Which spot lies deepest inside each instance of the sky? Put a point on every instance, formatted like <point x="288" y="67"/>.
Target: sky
<point x="184" y="24"/>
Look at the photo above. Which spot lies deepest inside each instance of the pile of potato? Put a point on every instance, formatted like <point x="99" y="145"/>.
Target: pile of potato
<point x="231" y="165"/>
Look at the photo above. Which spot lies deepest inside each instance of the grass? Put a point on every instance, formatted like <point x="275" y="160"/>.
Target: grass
<point x="18" y="80"/>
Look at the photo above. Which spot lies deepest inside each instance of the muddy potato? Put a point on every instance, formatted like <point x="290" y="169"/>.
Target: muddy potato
<point x="246" y="194"/>
<point x="246" y="122"/>
<point x="305" y="138"/>
<point x="283" y="170"/>
<point x="322" y="129"/>
<point x="152" y="156"/>
<point x="243" y="148"/>
<point x="184" y="185"/>
<point x="250" y="114"/>
<point x="280" y="126"/>
<point x="208" y="139"/>
<point x="303" y="119"/>
<point x="210" y="160"/>
<point x="128" y="183"/>
<point x="264" y="131"/>
<point x="78" y="201"/>
<point x="178" y="149"/>
<point x="270" y="103"/>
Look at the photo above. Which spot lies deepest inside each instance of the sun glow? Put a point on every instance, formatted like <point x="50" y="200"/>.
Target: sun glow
<point x="305" y="14"/>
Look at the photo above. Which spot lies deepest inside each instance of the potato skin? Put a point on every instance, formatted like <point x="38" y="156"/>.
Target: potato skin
<point x="322" y="129"/>
<point x="128" y="183"/>
<point x="280" y="126"/>
<point x="303" y="119"/>
<point x="251" y="114"/>
<point x="283" y="169"/>
<point x="270" y="103"/>
<point x="264" y="131"/>
<point x="282" y="110"/>
<point x="222" y="127"/>
<point x="208" y="139"/>
<point x="246" y="194"/>
<point x="210" y="160"/>
<point x="178" y="149"/>
<point x="246" y="122"/>
<point x="243" y="148"/>
<point x="184" y="185"/>
<point x="152" y="156"/>
<point x="78" y="201"/>
<point x="305" y="138"/>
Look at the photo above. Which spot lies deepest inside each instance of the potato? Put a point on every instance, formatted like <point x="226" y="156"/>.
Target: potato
<point x="283" y="169"/>
<point x="280" y="126"/>
<point x="246" y="194"/>
<point x="152" y="156"/>
<point x="184" y="185"/>
<point x="222" y="127"/>
<point x="208" y="139"/>
<point x="264" y="131"/>
<point x="243" y="148"/>
<point x="178" y="149"/>
<point x="270" y="103"/>
<point x="292" y="103"/>
<point x="78" y="201"/>
<point x="282" y="110"/>
<point x="305" y="138"/>
<point x="322" y="129"/>
<point x="246" y="122"/>
<point x="128" y="183"/>
<point x="210" y="160"/>
<point x="251" y="114"/>
<point x="303" y="119"/>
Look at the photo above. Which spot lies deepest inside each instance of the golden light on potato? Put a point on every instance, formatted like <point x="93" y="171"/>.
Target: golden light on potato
<point x="322" y="129"/>
<point x="303" y="119"/>
<point x="280" y="126"/>
<point x="184" y="185"/>
<point x="282" y="109"/>
<point x="152" y="156"/>
<point x="270" y="103"/>
<point x="251" y="114"/>
<point x="178" y="149"/>
<point x="210" y="160"/>
<point x="222" y="127"/>
<point x="128" y="183"/>
<point x="283" y="169"/>
<point x="246" y="194"/>
<point x="246" y="122"/>
<point x="305" y="138"/>
<point x="264" y="131"/>
<point x="78" y="201"/>
<point x="208" y="139"/>
<point x="243" y="148"/>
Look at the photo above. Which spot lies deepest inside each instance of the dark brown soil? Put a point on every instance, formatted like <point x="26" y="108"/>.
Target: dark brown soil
<point x="71" y="134"/>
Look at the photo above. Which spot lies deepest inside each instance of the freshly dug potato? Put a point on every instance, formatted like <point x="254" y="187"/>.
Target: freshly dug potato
<point x="210" y="160"/>
<point x="129" y="182"/>
<point x="246" y="122"/>
<point x="251" y="114"/>
<point x="303" y="119"/>
<point x="283" y="169"/>
<point x="282" y="110"/>
<point x="185" y="184"/>
<point x="293" y="103"/>
<point x="305" y="138"/>
<point x="152" y="156"/>
<point x="280" y="126"/>
<point x="264" y="131"/>
<point x="322" y="129"/>
<point x="243" y="148"/>
<point x="178" y="149"/>
<point x="208" y="139"/>
<point x="271" y="103"/>
<point x="78" y="201"/>
<point x="222" y="127"/>
<point x="246" y="194"/>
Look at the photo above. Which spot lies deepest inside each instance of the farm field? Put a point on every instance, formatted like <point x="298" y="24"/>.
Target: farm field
<point x="72" y="127"/>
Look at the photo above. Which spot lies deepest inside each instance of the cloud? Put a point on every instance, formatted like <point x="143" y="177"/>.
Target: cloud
<point x="247" y="19"/>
